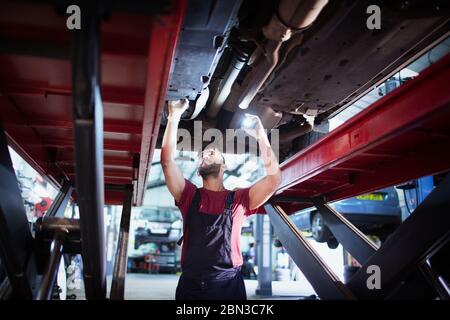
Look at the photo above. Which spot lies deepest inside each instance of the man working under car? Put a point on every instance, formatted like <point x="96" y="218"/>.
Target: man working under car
<point x="213" y="216"/>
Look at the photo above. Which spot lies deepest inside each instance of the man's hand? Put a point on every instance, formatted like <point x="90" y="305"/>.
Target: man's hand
<point x="177" y="108"/>
<point x="253" y="126"/>
<point x="262" y="190"/>
<point x="173" y="175"/>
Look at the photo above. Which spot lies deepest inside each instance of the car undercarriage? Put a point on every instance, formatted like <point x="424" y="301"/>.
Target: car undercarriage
<point x="273" y="59"/>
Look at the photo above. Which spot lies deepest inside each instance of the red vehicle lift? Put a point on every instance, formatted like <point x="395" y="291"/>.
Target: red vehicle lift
<point x="107" y="138"/>
<point x="115" y="77"/>
<point x="403" y="136"/>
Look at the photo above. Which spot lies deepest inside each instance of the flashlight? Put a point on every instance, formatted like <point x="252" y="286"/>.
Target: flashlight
<point x="248" y="122"/>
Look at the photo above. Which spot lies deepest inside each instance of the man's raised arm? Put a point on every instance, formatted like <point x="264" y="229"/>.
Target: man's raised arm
<point x="262" y="190"/>
<point x="174" y="178"/>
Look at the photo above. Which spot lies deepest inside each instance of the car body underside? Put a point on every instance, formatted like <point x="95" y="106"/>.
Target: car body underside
<point x="232" y="54"/>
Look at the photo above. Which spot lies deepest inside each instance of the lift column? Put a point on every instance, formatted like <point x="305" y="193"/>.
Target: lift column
<point x="264" y="255"/>
<point x="16" y="241"/>
<point x="88" y="136"/>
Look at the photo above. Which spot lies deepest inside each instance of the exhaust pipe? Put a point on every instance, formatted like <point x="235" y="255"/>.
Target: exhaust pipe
<point x="300" y="14"/>
<point x="292" y="16"/>
<point x="240" y="58"/>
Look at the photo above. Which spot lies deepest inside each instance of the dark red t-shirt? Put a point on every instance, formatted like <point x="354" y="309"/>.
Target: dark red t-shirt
<point x="213" y="202"/>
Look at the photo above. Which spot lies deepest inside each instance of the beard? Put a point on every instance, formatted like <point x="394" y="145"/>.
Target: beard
<point x="211" y="170"/>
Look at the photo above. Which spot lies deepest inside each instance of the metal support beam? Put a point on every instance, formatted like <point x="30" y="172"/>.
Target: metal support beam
<point x="88" y="135"/>
<point x="5" y="289"/>
<point x="15" y="236"/>
<point x="402" y="253"/>
<point x="413" y="287"/>
<point x="264" y="255"/>
<point x="290" y="199"/>
<point x="61" y="201"/>
<point x="120" y="265"/>
<point x="350" y="237"/>
<point x="437" y="282"/>
<point x="51" y="271"/>
<point x="326" y="284"/>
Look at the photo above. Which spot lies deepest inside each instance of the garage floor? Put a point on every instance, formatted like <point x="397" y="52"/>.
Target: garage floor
<point x="162" y="287"/>
<point x="139" y="286"/>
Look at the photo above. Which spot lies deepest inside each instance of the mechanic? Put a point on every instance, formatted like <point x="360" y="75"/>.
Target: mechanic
<point x="211" y="257"/>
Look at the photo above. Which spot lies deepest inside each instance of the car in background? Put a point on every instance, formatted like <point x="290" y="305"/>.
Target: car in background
<point x="156" y="233"/>
<point x="159" y="225"/>
<point x="377" y="213"/>
<point x="155" y="257"/>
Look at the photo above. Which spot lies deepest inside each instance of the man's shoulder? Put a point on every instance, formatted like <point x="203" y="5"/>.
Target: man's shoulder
<point x="240" y="193"/>
<point x="190" y="184"/>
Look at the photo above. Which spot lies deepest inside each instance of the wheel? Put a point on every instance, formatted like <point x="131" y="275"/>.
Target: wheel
<point x="385" y="232"/>
<point x="332" y="243"/>
<point x="319" y="230"/>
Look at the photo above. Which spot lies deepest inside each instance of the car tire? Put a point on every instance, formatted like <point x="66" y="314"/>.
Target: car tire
<point x="385" y="232"/>
<point x="332" y="243"/>
<point x="319" y="230"/>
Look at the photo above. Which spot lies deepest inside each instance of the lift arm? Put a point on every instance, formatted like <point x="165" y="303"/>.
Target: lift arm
<point x="404" y="135"/>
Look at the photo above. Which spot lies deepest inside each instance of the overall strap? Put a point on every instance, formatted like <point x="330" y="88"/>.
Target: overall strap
<point x="229" y="203"/>
<point x="195" y="205"/>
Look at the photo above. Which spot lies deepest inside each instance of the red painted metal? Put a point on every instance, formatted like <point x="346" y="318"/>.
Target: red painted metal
<point x="404" y="135"/>
<point x="110" y="94"/>
<point x="35" y="88"/>
<point x="161" y="51"/>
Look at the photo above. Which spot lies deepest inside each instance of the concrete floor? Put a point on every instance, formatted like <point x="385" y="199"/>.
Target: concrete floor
<point x="162" y="287"/>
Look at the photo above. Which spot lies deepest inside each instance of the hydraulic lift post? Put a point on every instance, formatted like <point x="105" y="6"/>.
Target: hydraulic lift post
<point x="326" y="284"/>
<point x="5" y="289"/>
<point x="425" y="230"/>
<point x="54" y="236"/>
<point x="436" y="281"/>
<point x="88" y="138"/>
<point x="121" y="260"/>
<point x="46" y="289"/>
<point x="264" y="255"/>
<point x="16" y="241"/>
<point x="350" y="237"/>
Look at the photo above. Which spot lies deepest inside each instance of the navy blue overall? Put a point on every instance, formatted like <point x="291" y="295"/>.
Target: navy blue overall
<point x="208" y="272"/>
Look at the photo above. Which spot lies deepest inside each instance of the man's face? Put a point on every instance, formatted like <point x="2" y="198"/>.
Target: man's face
<point x="210" y="163"/>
